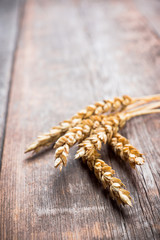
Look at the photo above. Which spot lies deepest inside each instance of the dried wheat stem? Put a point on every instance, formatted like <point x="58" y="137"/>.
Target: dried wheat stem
<point x="126" y="151"/>
<point x="106" y="106"/>
<point x="104" y="174"/>
<point x="150" y="98"/>
<point x="142" y="108"/>
<point x="140" y="113"/>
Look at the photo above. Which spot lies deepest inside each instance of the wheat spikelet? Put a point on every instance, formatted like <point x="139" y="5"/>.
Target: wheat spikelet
<point x="104" y="174"/>
<point x="61" y="156"/>
<point x="126" y="151"/>
<point x="106" y="106"/>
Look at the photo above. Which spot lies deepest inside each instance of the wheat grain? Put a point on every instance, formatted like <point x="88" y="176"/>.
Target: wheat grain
<point x="126" y="151"/>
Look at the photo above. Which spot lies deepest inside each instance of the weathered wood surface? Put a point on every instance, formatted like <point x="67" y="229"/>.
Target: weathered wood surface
<point x="151" y="11"/>
<point x="70" y="54"/>
<point x="9" y="20"/>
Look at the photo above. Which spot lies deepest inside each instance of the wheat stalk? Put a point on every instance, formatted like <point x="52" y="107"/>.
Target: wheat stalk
<point x="104" y="174"/>
<point x="126" y="151"/>
<point x="106" y="106"/>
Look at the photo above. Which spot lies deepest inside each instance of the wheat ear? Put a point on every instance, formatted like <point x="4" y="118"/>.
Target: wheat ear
<point x="106" y="106"/>
<point x="104" y="174"/>
<point x="125" y="150"/>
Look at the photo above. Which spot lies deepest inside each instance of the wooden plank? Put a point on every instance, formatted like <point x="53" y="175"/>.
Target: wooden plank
<point x="9" y="18"/>
<point x="69" y="55"/>
<point x="150" y="10"/>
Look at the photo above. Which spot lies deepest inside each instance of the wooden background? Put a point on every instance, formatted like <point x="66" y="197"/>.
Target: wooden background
<point x="56" y="57"/>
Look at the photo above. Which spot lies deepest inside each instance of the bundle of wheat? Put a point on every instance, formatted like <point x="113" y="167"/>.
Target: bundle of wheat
<point x="99" y="124"/>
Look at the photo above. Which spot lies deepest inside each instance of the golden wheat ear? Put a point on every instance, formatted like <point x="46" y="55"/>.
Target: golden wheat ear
<point x="48" y="138"/>
<point x="122" y="147"/>
<point x="104" y="174"/>
<point x="98" y="108"/>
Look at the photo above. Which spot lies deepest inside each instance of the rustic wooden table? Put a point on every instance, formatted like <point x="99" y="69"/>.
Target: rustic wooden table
<point x="56" y="57"/>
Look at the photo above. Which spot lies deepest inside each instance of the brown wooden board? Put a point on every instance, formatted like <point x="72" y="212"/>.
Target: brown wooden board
<point x="70" y="54"/>
<point x="9" y="20"/>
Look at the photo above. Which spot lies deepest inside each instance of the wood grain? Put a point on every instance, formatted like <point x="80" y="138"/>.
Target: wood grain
<point x="70" y="54"/>
<point x="9" y="20"/>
